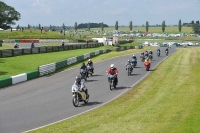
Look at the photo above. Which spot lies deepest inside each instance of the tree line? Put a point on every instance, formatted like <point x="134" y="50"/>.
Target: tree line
<point x="9" y="15"/>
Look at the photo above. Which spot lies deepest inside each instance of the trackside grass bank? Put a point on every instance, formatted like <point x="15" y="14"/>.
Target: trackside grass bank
<point x="167" y="101"/>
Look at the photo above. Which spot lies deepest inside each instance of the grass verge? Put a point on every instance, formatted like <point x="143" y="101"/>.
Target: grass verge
<point x="167" y="101"/>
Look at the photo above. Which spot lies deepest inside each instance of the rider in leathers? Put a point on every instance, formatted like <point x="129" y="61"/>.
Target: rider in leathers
<point x="113" y="71"/>
<point x="78" y="83"/>
<point x="84" y="67"/>
<point x="90" y="63"/>
<point x="130" y="64"/>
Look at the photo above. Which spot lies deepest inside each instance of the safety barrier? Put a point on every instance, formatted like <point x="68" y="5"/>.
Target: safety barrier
<point x="4" y="82"/>
<point x="44" y="49"/>
<point x="49" y="68"/>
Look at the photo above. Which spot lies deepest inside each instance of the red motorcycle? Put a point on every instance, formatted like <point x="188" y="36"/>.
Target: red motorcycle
<point x="147" y="65"/>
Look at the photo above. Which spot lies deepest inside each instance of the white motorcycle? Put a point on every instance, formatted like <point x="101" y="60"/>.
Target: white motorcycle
<point x="79" y="95"/>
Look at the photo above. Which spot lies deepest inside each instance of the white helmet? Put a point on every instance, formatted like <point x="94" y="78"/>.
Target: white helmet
<point x="89" y="60"/>
<point x="133" y="55"/>
<point x="112" y="66"/>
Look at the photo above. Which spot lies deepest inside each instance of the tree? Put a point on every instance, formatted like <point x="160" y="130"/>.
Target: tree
<point x="147" y="26"/>
<point x="39" y="27"/>
<point x="197" y="22"/>
<point x="163" y="26"/>
<point x="130" y="26"/>
<point x="29" y="26"/>
<point x="179" y="25"/>
<point x="116" y="25"/>
<point x="102" y="26"/>
<point x="8" y="15"/>
<point x="88" y="26"/>
<point x="75" y="26"/>
<point x="196" y="28"/>
<point x="192" y="22"/>
<point x="63" y="27"/>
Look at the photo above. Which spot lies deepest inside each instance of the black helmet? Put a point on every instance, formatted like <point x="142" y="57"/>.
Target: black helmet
<point x="78" y="78"/>
<point x="83" y="64"/>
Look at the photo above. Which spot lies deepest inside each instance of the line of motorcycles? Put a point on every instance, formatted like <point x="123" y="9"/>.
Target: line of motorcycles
<point x="80" y="96"/>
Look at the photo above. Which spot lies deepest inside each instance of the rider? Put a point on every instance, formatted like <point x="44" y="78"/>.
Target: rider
<point x="113" y="71"/>
<point x="158" y="50"/>
<point x="150" y="52"/>
<point x="78" y="83"/>
<point x="134" y="57"/>
<point x="84" y="68"/>
<point x="166" y="50"/>
<point x="63" y="43"/>
<point x="16" y="45"/>
<point x="90" y="63"/>
<point x="129" y="63"/>
<point x="32" y="44"/>
<point x="146" y="54"/>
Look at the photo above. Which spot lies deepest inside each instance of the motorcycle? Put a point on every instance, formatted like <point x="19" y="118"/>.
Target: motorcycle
<point x="158" y="53"/>
<point x="166" y="53"/>
<point x="79" y="95"/>
<point x="129" y="69"/>
<point x="83" y="74"/>
<point x="134" y="63"/>
<point x="112" y="82"/>
<point x="89" y="69"/>
<point x="16" y="46"/>
<point x="142" y="57"/>
<point x="150" y="56"/>
<point x="147" y="65"/>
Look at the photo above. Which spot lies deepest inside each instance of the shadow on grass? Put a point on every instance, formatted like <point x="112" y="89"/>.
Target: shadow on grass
<point x="3" y="73"/>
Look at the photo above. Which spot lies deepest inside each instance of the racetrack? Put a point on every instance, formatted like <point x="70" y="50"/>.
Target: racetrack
<point x="48" y="99"/>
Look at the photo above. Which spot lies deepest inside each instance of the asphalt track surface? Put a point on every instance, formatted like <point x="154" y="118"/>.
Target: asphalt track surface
<point x="35" y="103"/>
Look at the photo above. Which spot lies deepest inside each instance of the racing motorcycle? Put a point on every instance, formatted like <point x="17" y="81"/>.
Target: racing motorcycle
<point x="111" y="81"/>
<point x="129" y="69"/>
<point x="83" y="74"/>
<point x="134" y="63"/>
<point x="142" y="57"/>
<point x="79" y="95"/>
<point x="147" y="65"/>
<point x="166" y="53"/>
<point x="158" y="53"/>
<point x="89" y="69"/>
<point x="150" y="56"/>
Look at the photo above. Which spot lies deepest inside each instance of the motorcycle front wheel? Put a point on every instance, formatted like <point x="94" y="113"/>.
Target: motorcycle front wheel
<point x="110" y="86"/>
<point x="86" y="101"/>
<point x="75" y="101"/>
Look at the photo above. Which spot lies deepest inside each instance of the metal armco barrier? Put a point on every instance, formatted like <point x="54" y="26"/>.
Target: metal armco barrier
<point x="44" y="49"/>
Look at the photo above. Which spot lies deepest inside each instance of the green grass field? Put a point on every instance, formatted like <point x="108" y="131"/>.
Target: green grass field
<point x="168" y="101"/>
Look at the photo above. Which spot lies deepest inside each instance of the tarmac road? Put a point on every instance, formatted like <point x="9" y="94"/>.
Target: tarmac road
<point x="48" y="99"/>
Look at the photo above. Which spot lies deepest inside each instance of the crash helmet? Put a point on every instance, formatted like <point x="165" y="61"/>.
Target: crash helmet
<point x="133" y="55"/>
<point x="89" y="60"/>
<point x="129" y="61"/>
<point x="112" y="66"/>
<point x="83" y="64"/>
<point x="78" y="78"/>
